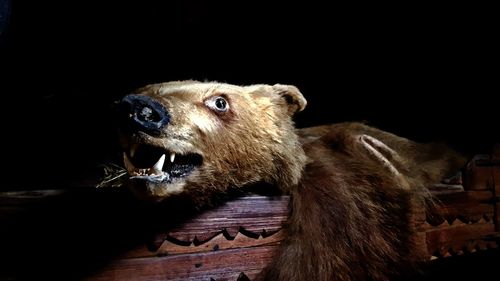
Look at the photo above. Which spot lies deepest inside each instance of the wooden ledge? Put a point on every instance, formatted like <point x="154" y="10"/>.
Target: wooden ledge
<point x="105" y="235"/>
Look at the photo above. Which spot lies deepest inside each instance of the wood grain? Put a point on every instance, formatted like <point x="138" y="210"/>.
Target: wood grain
<point x="217" y="265"/>
<point x="257" y="215"/>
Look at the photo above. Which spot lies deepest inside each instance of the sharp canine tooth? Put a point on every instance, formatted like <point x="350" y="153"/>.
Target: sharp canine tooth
<point x="159" y="165"/>
<point x="133" y="148"/>
<point x="128" y="165"/>
<point x="172" y="157"/>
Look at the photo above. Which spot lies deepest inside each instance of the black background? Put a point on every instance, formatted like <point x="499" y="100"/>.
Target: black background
<point x="426" y="72"/>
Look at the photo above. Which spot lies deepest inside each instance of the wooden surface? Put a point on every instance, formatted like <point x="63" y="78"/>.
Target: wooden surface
<point x="106" y="235"/>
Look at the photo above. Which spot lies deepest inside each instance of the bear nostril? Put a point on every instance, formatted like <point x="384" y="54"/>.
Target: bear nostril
<point x="142" y="113"/>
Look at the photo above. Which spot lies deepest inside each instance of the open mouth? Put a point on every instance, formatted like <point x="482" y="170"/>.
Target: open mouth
<point x="157" y="164"/>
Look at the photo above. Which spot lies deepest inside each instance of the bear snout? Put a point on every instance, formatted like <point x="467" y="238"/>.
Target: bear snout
<point x="142" y="113"/>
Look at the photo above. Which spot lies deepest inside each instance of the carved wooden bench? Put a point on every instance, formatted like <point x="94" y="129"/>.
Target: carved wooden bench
<point x="110" y="238"/>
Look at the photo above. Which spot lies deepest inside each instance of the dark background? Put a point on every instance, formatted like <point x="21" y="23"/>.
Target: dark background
<point x="426" y="72"/>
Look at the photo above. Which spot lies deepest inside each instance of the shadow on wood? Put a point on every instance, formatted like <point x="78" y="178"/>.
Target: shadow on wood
<point x="108" y="235"/>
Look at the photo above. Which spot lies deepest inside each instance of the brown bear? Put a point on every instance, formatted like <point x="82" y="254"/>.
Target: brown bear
<point x="352" y="186"/>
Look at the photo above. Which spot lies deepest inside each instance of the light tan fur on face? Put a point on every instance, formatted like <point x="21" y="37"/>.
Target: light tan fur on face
<point x="254" y="141"/>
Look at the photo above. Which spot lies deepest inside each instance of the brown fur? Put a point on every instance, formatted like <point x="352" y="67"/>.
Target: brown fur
<point x="351" y="218"/>
<point x="351" y="197"/>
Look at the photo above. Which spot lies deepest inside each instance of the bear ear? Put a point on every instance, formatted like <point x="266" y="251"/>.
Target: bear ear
<point x="292" y="96"/>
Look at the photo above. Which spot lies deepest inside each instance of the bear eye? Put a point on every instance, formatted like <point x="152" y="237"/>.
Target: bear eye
<point x="218" y="103"/>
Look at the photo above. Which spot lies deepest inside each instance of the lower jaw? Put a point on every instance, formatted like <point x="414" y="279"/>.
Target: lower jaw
<point x="152" y="190"/>
<point x="163" y="178"/>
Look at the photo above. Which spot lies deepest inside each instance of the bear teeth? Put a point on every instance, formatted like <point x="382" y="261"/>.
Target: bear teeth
<point x="172" y="157"/>
<point x="156" y="170"/>
<point x="128" y="165"/>
<point x="159" y="165"/>
<point x="133" y="149"/>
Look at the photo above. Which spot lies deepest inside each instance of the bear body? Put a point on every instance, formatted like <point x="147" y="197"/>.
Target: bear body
<point x="352" y="187"/>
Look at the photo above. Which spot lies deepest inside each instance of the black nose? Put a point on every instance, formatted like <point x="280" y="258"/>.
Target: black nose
<point x="142" y="113"/>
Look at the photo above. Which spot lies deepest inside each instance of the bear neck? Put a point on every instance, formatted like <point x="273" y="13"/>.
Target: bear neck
<point x="289" y="164"/>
